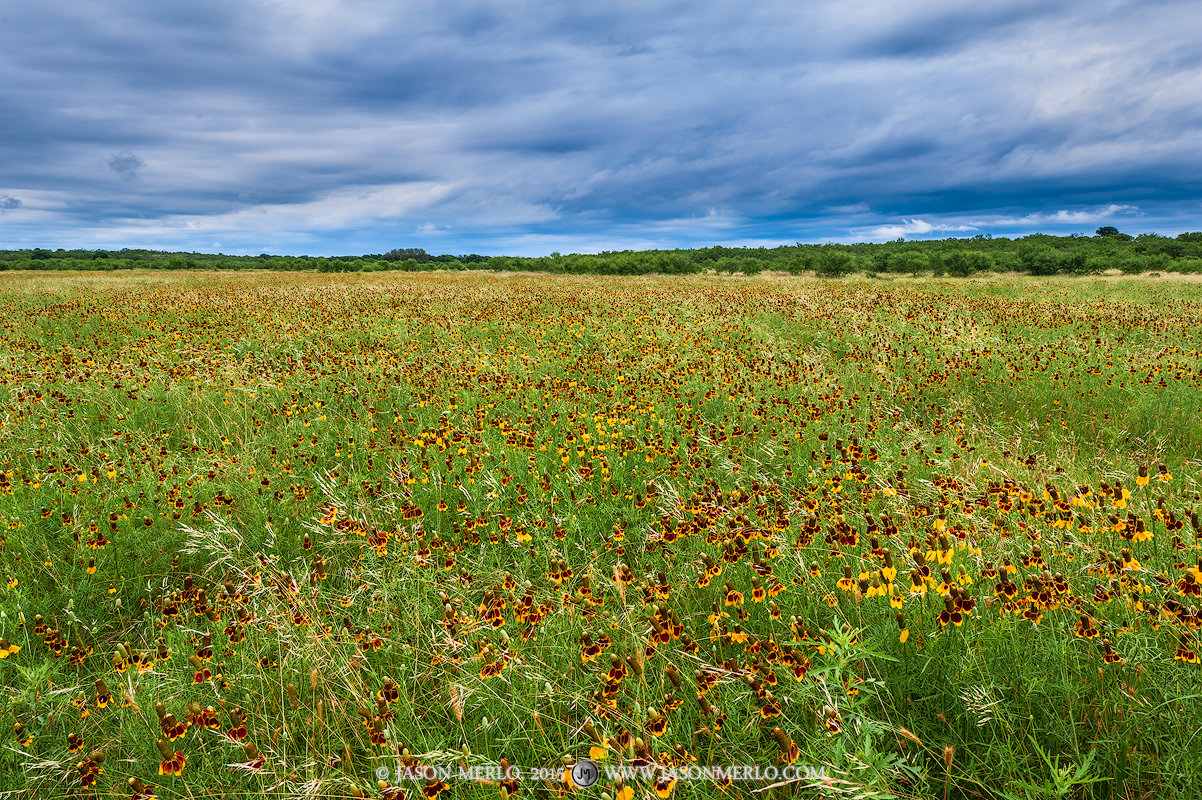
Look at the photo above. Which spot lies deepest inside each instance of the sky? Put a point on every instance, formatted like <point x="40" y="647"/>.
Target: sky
<point x="527" y="126"/>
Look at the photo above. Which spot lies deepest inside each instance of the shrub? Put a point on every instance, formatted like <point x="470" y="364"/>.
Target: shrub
<point x="910" y="261"/>
<point x="979" y="261"/>
<point x="1040" y="260"/>
<point x="1132" y="265"/>
<point x="957" y="264"/>
<point x="1076" y="263"/>
<point x="938" y="267"/>
<point x="799" y="264"/>
<point x="833" y="262"/>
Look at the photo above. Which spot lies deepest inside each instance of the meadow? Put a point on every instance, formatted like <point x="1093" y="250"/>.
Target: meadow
<point x="291" y="534"/>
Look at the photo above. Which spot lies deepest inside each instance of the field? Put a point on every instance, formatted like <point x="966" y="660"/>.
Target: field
<point x="276" y="535"/>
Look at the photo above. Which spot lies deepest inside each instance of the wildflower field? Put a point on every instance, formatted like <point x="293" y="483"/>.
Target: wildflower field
<point x="281" y="534"/>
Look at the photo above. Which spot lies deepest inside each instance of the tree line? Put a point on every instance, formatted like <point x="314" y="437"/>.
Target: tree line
<point x="1037" y="254"/>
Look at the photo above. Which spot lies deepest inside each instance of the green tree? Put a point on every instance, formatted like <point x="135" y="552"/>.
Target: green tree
<point x="1074" y="262"/>
<point x="1132" y="265"/>
<point x="1109" y="231"/>
<point x="911" y="261"/>
<point x="833" y="262"/>
<point x="405" y="253"/>
<point x="1040" y="260"/>
<point x="957" y="265"/>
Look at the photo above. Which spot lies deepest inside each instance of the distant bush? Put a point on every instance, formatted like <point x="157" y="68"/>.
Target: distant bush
<point x="1040" y="260"/>
<point x="834" y="263"/>
<point x="937" y="264"/>
<point x="406" y="254"/>
<point x="1132" y="265"/>
<point x="748" y="266"/>
<point x="1158" y="261"/>
<point x="910" y="261"/>
<point x="1075" y="262"/>
<point x="962" y="263"/>
<point x="957" y="265"/>
<point x="799" y="263"/>
<point x="1037" y="254"/>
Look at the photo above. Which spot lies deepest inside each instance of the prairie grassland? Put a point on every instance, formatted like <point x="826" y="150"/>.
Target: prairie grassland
<point x="267" y="535"/>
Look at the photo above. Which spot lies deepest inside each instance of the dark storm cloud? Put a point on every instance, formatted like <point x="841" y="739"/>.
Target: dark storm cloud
<point x="933" y="29"/>
<point x="126" y="164"/>
<point x="530" y="126"/>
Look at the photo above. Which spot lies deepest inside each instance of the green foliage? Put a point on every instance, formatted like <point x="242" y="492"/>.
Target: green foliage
<point x="405" y="254"/>
<point x="1040" y="259"/>
<point x="1038" y="254"/>
<point x="1132" y="265"/>
<point x="912" y="261"/>
<point x="832" y="263"/>
<point x="1062" y="779"/>
<point x="957" y="264"/>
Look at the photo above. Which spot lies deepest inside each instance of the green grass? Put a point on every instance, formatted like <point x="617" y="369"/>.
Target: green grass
<point x="284" y="409"/>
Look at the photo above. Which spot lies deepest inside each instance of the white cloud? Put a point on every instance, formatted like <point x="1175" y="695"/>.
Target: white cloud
<point x="1066" y="217"/>
<point x="911" y="227"/>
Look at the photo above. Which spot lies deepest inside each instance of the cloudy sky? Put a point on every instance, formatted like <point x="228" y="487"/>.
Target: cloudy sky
<point x="526" y="126"/>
